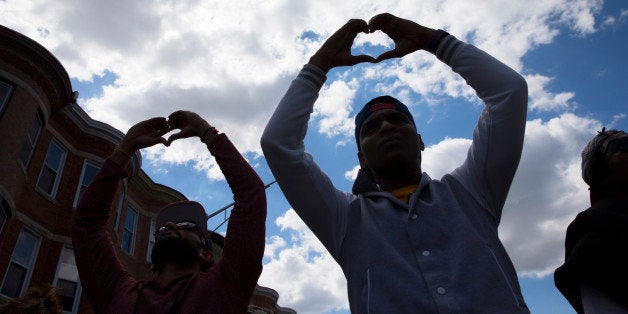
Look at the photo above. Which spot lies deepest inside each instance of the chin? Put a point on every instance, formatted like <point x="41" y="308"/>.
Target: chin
<point x="174" y="250"/>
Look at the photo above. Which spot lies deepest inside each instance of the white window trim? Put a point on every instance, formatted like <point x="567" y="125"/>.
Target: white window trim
<point x="32" y="262"/>
<point x="134" y="234"/>
<point x="55" y="186"/>
<point x="79" y="290"/>
<point x="40" y="118"/>
<point x="121" y="197"/>
<point x="151" y="239"/>
<point x="80" y="183"/>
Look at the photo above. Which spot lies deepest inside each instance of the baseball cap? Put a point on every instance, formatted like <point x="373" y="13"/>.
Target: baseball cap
<point x="189" y="211"/>
<point x="379" y="103"/>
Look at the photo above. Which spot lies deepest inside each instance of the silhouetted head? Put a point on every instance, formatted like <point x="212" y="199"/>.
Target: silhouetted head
<point x="387" y="138"/>
<point x="181" y="236"/>
<point x="605" y="164"/>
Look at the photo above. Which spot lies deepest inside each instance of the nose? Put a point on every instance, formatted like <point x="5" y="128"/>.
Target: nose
<point x="170" y="225"/>
<point x="386" y="126"/>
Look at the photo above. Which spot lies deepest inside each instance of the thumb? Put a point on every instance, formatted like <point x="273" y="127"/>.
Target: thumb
<point x="163" y="141"/>
<point x="388" y="55"/>
<point x="173" y="138"/>
<point x="361" y="58"/>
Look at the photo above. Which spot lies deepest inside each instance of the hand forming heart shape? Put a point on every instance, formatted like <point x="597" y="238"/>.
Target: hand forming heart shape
<point x="408" y="37"/>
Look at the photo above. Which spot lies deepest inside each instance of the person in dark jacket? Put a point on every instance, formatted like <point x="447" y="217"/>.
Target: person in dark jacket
<point x="594" y="275"/>
<point x="186" y="279"/>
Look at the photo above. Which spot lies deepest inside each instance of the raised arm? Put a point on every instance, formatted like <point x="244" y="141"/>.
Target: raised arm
<point x="308" y="189"/>
<point x="243" y="250"/>
<point x="98" y="265"/>
<point x="498" y="137"/>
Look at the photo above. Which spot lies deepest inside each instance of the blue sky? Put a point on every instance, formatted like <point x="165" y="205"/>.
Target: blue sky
<point x="135" y="60"/>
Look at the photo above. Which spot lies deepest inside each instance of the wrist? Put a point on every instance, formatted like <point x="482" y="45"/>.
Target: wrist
<point x="209" y="134"/>
<point x="320" y="63"/>
<point x="435" y="39"/>
<point x="125" y="148"/>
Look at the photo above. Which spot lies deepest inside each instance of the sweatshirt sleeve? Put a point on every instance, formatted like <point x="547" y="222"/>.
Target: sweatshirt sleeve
<point x="99" y="268"/>
<point x="494" y="154"/>
<point x="306" y="187"/>
<point x="244" y="243"/>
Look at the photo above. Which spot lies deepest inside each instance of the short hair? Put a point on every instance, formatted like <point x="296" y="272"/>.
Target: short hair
<point x="593" y="167"/>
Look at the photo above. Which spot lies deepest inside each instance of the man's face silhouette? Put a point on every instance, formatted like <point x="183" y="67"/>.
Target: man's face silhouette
<point x="388" y="139"/>
<point x="177" y="245"/>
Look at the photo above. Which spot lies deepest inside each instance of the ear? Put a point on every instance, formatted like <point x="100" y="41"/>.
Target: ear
<point x="365" y="167"/>
<point x="361" y="159"/>
<point x="207" y="256"/>
<point x="421" y="144"/>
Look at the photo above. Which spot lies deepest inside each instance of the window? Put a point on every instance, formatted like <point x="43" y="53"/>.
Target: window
<point x="51" y="171"/>
<point x="119" y="209"/>
<point x="87" y="175"/>
<point x="128" y="235"/>
<point x="5" y="213"/>
<point x="20" y="268"/>
<point x="6" y="90"/>
<point x="67" y="281"/>
<point x="151" y="239"/>
<point x="31" y="138"/>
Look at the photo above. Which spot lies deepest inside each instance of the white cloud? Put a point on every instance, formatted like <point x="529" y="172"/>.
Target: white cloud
<point x="334" y="107"/>
<point x="352" y="174"/>
<point x="609" y="21"/>
<point x="579" y="15"/>
<point x="443" y="157"/>
<point x="301" y="270"/>
<point x="543" y="100"/>
<point x="231" y="63"/>
<point x="547" y="192"/>
<point x="616" y="120"/>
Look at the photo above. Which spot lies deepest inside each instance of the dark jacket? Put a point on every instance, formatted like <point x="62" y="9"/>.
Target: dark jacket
<point x="596" y="253"/>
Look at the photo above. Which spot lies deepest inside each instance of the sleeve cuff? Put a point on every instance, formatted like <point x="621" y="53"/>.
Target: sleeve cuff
<point x="312" y="75"/>
<point x="448" y="48"/>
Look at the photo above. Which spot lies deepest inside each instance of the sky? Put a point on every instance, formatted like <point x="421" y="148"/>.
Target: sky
<point x="231" y="62"/>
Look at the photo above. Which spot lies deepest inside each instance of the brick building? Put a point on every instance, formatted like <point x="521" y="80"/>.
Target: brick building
<point x="50" y="149"/>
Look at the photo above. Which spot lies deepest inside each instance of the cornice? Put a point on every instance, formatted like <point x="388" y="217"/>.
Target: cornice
<point x="36" y="61"/>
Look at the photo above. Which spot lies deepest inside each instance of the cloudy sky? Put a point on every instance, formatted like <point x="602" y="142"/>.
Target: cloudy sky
<point x="231" y="61"/>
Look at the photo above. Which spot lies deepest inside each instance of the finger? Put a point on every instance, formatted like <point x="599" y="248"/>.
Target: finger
<point x="163" y="141"/>
<point x="349" y="31"/>
<point x="155" y="121"/>
<point x="361" y="58"/>
<point x="164" y="131"/>
<point x="379" y="21"/>
<point x="357" y="26"/>
<point x="174" y="137"/>
<point x="176" y="121"/>
<point x="388" y="55"/>
<point x="177" y="113"/>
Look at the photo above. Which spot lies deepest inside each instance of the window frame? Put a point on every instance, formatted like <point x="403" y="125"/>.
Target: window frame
<point x="81" y="184"/>
<point x="59" y="172"/>
<point x="5" y="101"/>
<point x="31" y="263"/>
<point x="131" y="250"/>
<point x="151" y="239"/>
<point x="39" y="117"/>
<point x="5" y="210"/>
<point x="79" y="290"/>
<point x="121" y="196"/>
